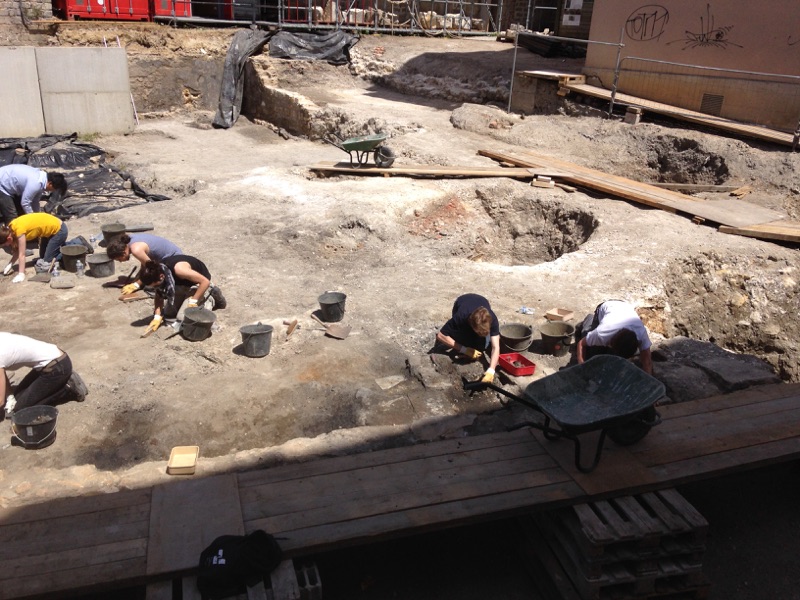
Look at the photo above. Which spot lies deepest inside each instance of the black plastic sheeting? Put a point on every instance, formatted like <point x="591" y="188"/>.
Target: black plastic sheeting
<point x="244" y="44"/>
<point x="333" y="47"/>
<point x="93" y="185"/>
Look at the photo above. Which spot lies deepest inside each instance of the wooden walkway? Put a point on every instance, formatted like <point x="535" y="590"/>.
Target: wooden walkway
<point x="139" y="536"/>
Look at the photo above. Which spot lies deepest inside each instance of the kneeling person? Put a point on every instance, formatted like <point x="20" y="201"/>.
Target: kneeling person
<point x="175" y="279"/>
<point x="50" y="381"/>
<point x="472" y="329"/>
<point x="615" y="328"/>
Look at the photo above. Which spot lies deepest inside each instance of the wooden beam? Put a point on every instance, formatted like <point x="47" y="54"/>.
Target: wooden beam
<point x="435" y="171"/>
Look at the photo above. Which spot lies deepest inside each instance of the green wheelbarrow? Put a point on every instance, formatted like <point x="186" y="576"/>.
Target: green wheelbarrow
<point x="360" y="148"/>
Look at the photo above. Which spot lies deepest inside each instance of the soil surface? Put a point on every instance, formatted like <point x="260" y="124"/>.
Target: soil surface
<point x="276" y="234"/>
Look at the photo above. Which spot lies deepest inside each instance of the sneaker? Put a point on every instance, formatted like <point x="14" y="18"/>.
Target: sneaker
<point x="87" y="243"/>
<point x="77" y="387"/>
<point x="219" y="299"/>
<point x="41" y="266"/>
<point x="11" y="403"/>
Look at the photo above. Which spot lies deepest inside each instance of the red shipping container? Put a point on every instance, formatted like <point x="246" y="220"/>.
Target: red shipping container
<point x="127" y="10"/>
<point x="164" y="8"/>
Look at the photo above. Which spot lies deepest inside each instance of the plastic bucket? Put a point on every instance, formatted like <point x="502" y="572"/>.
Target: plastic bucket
<point x="35" y="427"/>
<point x="197" y="323"/>
<point x="111" y="230"/>
<point x="100" y="265"/>
<point x="70" y="255"/>
<point x="332" y="306"/>
<point x="256" y="340"/>
<point x="557" y="338"/>
<point x="516" y="336"/>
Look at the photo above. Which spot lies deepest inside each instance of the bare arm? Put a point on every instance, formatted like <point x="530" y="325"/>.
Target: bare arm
<point x="21" y="241"/>
<point x="185" y="271"/>
<point x="140" y="251"/>
<point x="5" y="387"/>
<point x="646" y="358"/>
<point x="495" y="343"/>
<point x="581" y="350"/>
<point x="447" y="340"/>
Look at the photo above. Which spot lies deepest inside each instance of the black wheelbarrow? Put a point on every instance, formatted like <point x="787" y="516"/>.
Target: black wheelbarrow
<point x="361" y="148"/>
<point x="606" y="393"/>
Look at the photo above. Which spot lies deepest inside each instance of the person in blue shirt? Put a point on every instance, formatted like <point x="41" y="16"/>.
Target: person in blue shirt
<point x="21" y="189"/>
<point x="472" y="330"/>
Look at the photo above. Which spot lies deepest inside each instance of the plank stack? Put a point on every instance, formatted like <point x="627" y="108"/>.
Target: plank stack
<point x="648" y="546"/>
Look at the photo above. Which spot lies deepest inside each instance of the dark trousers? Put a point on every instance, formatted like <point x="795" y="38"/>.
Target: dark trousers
<point x="50" y="248"/>
<point x="44" y="386"/>
<point x="9" y="208"/>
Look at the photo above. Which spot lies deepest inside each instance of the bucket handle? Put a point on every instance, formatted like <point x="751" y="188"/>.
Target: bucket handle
<point x="44" y="439"/>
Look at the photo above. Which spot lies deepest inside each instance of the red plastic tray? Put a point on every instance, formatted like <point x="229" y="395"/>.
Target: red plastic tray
<point x="507" y="361"/>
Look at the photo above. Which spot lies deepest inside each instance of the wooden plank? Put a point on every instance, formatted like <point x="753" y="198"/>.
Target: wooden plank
<point x="284" y="582"/>
<point x="304" y="494"/>
<point x="189" y="588"/>
<point x="735" y="213"/>
<point x="699" y="435"/>
<point x="336" y="464"/>
<point x="694" y="187"/>
<point x="753" y="131"/>
<point x="419" y="520"/>
<point x="78" y="505"/>
<point x="255" y="592"/>
<point x="186" y="516"/>
<point x="761" y="393"/>
<point x="81" y="531"/>
<point x="104" y="576"/>
<point x="435" y="171"/>
<point x="395" y="500"/>
<point x="42" y="565"/>
<point x="786" y="231"/>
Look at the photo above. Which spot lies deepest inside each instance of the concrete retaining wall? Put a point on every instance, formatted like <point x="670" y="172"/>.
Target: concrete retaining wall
<point x="64" y="90"/>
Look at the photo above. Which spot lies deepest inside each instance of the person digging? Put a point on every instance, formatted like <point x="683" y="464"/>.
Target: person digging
<point x="175" y="280"/>
<point x="614" y="328"/>
<point x="472" y="330"/>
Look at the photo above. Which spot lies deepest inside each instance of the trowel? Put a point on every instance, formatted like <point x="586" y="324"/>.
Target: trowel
<point x="335" y="330"/>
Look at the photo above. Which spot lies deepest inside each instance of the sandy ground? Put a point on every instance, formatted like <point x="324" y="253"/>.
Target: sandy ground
<point x="276" y="235"/>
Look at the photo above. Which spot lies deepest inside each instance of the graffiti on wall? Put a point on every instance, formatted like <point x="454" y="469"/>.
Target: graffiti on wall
<point x="708" y="36"/>
<point x="647" y="23"/>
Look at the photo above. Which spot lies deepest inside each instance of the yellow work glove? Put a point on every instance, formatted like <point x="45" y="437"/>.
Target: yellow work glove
<point x="488" y="376"/>
<point x="470" y="353"/>
<point x="191" y="303"/>
<point x="154" y="324"/>
<point x="130" y="288"/>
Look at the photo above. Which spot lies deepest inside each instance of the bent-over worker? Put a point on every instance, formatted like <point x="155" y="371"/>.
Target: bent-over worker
<point x="49" y="230"/>
<point x="472" y="329"/>
<point x="615" y="328"/>
<point x="175" y="279"/>
<point x="50" y="381"/>
<point x="21" y="189"/>
<point x="143" y="247"/>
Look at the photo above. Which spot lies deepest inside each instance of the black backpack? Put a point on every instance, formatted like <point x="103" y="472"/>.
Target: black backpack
<point x="232" y="562"/>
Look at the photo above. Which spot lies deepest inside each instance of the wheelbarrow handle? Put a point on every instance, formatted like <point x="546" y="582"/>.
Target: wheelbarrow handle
<point x="479" y="385"/>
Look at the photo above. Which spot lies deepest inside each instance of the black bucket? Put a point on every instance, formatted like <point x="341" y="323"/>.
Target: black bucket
<point x="197" y="323"/>
<point x="100" y="265"/>
<point x="557" y="338"/>
<point x="70" y="255"/>
<point x="35" y="427"/>
<point x="332" y="306"/>
<point x="516" y="337"/>
<point x="110" y="231"/>
<point x="256" y="340"/>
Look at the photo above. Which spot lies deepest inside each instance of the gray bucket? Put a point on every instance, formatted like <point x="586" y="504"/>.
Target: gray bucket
<point x="100" y="265"/>
<point x="111" y="230"/>
<point x="197" y="323"/>
<point x="256" y="340"/>
<point x="516" y="336"/>
<point x="557" y="338"/>
<point x="35" y="427"/>
<point x="332" y="306"/>
<point x="70" y="255"/>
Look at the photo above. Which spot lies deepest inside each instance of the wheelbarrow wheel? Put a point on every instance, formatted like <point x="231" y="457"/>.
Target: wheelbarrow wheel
<point x="632" y="431"/>
<point x="384" y="157"/>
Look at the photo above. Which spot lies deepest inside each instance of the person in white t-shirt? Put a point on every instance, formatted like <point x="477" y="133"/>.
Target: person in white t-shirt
<point x="51" y="379"/>
<point x="615" y="328"/>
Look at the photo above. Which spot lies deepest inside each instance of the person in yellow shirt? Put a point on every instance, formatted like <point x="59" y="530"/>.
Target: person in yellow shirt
<point x="49" y="230"/>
